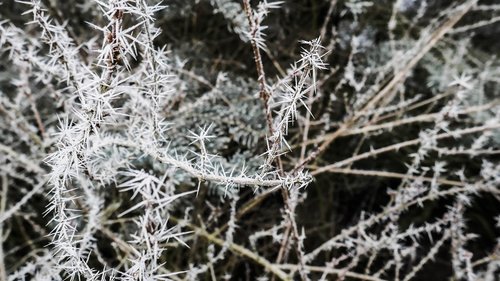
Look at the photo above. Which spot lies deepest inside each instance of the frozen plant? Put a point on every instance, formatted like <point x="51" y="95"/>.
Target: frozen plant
<point x="249" y="140"/>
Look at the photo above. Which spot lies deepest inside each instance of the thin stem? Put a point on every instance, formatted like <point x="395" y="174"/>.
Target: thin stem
<point x="431" y="117"/>
<point x="3" y="205"/>
<point x="400" y="145"/>
<point x="478" y="187"/>
<point x="396" y="80"/>
<point x="327" y="18"/>
<point x="333" y="271"/>
<point x="430" y="255"/>
<point x="264" y="94"/>
<point x="391" y="175"/>
<point x="240" y="250"/>
<point x="212" y="177"/>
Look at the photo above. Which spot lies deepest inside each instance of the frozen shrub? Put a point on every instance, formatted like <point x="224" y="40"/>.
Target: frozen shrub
<point x="249" y="140"/>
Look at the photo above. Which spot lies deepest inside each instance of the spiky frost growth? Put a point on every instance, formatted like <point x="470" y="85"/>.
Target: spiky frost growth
<point x="130" y="152"/>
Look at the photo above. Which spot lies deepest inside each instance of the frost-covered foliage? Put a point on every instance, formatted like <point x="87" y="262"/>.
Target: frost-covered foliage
<point x="239" y="140"/>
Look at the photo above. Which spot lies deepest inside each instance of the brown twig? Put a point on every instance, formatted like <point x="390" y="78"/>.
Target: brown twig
<point x="396" y="80"/>
<point x="237" y="249"/>
<point x="385" y="174"/>
<point x="263" y="92"/>
<point x="333" y="271"/>
<point x="479" y="186"/>
<point x="265" y="96"/>
<point x="327" y="18"/>
<point x="431" y="117"/>
<point x="400" y="145"/>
